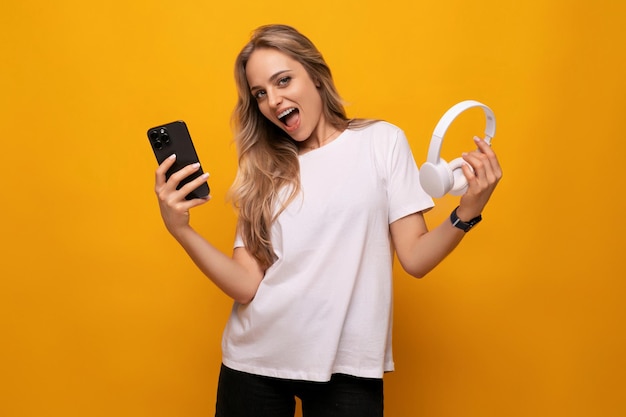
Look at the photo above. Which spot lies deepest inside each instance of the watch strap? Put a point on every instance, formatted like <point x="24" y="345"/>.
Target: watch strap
<point x="465" y="226"/>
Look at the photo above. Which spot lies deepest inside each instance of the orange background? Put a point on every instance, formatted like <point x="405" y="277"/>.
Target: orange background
<point x="102" y="314"/>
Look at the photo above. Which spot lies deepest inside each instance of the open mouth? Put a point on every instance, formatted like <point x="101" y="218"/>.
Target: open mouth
<point x="289" y="117"/>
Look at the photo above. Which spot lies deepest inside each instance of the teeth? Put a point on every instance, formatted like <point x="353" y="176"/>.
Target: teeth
<point x="285" y="113"/>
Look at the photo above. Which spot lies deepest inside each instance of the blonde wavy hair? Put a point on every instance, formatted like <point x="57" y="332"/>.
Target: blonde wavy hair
<point x="268" y="157"/>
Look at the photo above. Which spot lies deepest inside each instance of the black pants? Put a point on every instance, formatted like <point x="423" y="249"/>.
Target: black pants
<point x="240" y="394"/>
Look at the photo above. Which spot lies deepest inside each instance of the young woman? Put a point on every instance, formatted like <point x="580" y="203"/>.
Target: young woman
<point x="323" y="202"/>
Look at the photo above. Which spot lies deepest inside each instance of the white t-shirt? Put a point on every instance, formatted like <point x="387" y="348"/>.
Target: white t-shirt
<point x="325" y="305"/>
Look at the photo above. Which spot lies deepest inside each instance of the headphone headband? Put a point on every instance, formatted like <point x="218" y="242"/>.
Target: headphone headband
<point x="434" y="150"/>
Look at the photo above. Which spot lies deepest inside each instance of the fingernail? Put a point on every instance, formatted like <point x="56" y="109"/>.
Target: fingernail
<point x="172" y="156"/>
<point x="196" y="165"/>
<point x="205" y="176"/>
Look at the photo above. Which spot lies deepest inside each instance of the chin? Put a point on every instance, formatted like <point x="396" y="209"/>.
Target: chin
<point x="298" y="136"/>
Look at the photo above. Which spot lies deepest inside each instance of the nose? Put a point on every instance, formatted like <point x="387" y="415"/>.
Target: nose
<point x="274" y="98"/>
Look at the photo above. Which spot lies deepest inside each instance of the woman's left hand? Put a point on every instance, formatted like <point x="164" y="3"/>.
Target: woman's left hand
<point x="482" y="178"/>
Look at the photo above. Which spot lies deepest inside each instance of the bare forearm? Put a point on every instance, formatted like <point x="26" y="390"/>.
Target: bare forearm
<point x="420" y="250"/>
<point x="230" y="276"/>
<point x="433" y="247"/>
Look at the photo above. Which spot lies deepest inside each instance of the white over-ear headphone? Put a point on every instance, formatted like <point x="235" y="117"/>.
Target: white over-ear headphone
<point x="436" y="175"/>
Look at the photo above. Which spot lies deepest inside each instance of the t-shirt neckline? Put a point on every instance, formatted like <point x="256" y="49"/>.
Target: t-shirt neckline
<point x="327" y="146"/>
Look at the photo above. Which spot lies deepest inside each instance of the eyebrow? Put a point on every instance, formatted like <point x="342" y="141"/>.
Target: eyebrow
<point x="272" y="79"/>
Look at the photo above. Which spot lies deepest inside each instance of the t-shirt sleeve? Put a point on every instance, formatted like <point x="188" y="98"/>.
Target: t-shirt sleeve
<point x="406" y="195"/>
<point x="238" y="241"/>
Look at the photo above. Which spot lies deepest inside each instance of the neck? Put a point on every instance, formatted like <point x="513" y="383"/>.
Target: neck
<point x="320" y="139"/>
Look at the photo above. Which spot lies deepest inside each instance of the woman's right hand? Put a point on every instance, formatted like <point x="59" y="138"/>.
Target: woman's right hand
<point x="172" y="203"/>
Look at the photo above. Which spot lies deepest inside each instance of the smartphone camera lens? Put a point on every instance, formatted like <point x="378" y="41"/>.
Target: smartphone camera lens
<point x="155" y="138"/>
<point x="164" y="136"/>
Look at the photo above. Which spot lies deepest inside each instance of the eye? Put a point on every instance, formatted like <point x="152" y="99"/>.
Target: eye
<point x="284" y="81"/>
<point x="259" y="94"/>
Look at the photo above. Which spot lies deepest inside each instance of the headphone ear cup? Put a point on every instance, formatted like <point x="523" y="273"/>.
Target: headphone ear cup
<point x="459" y="183"/>
<point x="436" y="179"/>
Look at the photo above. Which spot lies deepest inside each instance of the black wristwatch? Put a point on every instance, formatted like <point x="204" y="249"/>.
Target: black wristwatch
<point x="465" y="226"/>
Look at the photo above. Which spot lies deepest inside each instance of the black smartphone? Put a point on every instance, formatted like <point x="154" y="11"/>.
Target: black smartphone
<point x="174" y="138"/>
